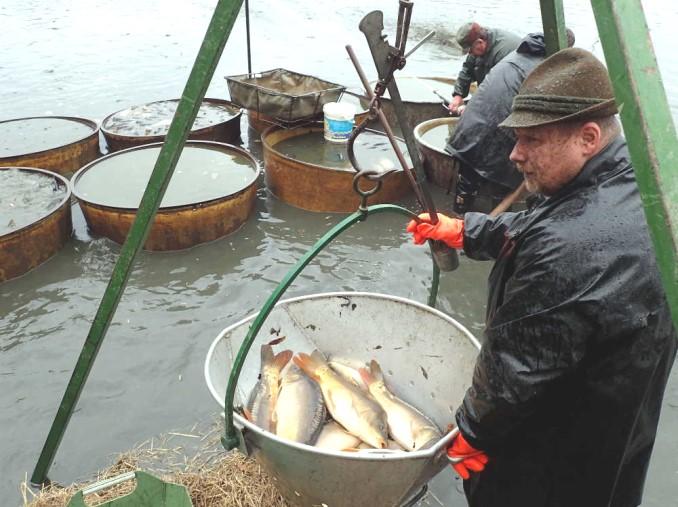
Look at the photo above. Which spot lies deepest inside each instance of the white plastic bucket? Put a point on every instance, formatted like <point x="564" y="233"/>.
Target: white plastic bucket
<point x="339" y="120"/>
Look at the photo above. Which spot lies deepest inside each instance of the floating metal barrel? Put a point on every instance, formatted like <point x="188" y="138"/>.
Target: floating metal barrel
<point x="419" y="98"/>
<point x="148" y="123"/>
<point x="197" y="208"/>
<point x="430" y="366"/>
<point x="23" y="246"/>
<point x="62" y="144"/>
<point x="441" y="168"/>
<point x="316" y="187"/>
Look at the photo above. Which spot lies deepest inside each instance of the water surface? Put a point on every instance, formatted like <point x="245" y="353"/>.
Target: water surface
<point x="148" y="377"/>
<point x="27" y="196"/>
<point x="29" y="135"/>
<point x="202" y="174"/>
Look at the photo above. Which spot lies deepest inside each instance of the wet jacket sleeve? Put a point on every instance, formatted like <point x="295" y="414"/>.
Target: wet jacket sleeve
<point x="466" y="76"/>
<point x="534" y="341"/>
<point x="484" y="235"/>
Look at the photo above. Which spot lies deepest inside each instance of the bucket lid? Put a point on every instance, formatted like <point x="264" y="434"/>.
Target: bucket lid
<point x="339" y="110"/>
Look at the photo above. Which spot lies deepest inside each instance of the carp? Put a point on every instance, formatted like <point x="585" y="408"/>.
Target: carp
<point x="348" y="405"/>
<point x="300" y="410"/>
<point x="409" y="428"/>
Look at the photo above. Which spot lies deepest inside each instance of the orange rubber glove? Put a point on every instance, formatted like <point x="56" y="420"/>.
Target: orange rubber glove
<point x="475" y="462"/>
<point x="449" y="230"/>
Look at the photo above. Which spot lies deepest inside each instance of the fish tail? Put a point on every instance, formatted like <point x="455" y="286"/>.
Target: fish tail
<point x="367" y="377"/>
<point x="281" y="359"/>
<point x="376" y="370"/>
<point x="308" y="364"/>
<point x="266" y="354"/>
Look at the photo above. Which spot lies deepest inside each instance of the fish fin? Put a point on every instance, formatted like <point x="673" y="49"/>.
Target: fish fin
<point x="277" y="341"/>
<point x="266" y="354"/>
<point x="318" y="357"/>
<point x="375" y="369"/>
<point x="351" y="449"/>
<point x="281" y="359"/>
<point x="366" y="376"/>
<point x="307" y="364"/>
<point x="247" y="414"/>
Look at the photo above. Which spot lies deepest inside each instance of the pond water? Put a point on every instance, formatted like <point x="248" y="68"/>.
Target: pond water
<point x="148" y="378"/>
<point x="372" y="150"/>
<point x="29" y="135"/>
<point x="202" y="174"/>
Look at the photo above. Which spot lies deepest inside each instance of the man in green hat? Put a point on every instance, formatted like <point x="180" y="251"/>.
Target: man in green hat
<point x="486" y="47"/>
<point x="579" y="342"/>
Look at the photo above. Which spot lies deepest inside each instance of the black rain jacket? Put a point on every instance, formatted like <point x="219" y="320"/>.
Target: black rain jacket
<point x="579" y="343"/>
<point x="478" y="143"/>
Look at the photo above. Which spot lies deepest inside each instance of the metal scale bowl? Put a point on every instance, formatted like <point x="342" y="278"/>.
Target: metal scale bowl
<point x="427" y="358"/>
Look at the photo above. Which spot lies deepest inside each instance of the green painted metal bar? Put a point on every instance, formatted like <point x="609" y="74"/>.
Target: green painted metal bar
<point x="648" y="125"/>
<point x="205" y="64"/>
<point x="230" y="439"/>
<point x="553" y="21"/>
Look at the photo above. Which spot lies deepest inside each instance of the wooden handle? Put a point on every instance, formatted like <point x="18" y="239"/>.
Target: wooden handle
<point x="514" y="196"/>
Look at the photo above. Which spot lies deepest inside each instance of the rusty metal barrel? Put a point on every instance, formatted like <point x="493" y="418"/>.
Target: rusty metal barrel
<point x="217" y="120"/>
<point x="211" y="194"/>
<point x="306" y="171"/>
<point x="431" y="136"/>
<point x="62" y="144"/>
<point x="35" y="218"/>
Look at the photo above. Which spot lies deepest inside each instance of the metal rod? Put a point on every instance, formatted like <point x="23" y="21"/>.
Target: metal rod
<point x="247" y="30"/>
<point x="389" y="132"/>
<point x="418" y="44"/>
<point x="205" y="64"/>
<point x="405" y="5"/>
<point x="648" y="125"/>
<point x="553" y="21"/>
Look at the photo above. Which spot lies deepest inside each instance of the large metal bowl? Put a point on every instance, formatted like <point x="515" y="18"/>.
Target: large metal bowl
<point x="428" y="360"/>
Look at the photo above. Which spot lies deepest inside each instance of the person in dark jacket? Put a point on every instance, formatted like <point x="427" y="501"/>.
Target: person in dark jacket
<point x="579" y="342"/>
<point x="480" y="147"/>
<point x="485" y="47"/>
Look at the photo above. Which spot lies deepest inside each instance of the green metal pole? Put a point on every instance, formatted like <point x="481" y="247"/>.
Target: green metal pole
<point x="232" y="438"/>
<point x="205" y="64"/>
<point x="553" y="21"/>
<point x="648" y="125"/>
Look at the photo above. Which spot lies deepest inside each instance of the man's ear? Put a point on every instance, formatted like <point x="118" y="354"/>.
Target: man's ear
<point x="591" y="138"/>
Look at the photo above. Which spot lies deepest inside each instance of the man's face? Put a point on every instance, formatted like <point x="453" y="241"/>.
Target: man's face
<point x="478" y="48"/>
<point x="549" y="156"/>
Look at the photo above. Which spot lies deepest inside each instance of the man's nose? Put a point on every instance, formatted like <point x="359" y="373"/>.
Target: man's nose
<point x="516" y="154"/>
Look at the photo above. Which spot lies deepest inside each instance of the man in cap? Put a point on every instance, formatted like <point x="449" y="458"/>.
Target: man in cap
<point x="485" y="47"/>
<point x="567" y="389"/>
<point x="479" y="146"/>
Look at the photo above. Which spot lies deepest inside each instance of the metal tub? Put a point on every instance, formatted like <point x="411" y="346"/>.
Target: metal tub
<point x="419" y="107"/>
<point x="315" y="187"/>
<point x="64" y="157"/>
<point x="174" y="227"/>
<point x="227" y="131"/>
<point x="441" y="168"/>
<point x="27" y="247"/>
<point x="427" y="357"/>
